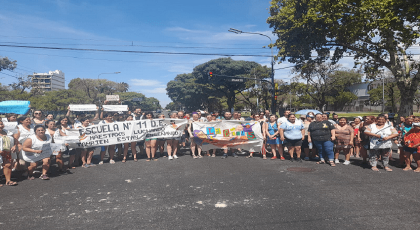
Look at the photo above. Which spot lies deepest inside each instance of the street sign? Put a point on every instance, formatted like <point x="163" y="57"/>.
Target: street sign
<point x="112" y="97"/>
<point x="235" y="80"/>
<point x="137" y="99"/>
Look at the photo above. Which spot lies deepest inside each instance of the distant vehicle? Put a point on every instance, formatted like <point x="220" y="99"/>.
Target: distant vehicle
<point x="158" y="111"/>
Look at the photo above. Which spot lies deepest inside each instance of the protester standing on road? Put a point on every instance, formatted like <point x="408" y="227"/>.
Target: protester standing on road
<point x="63" y="125"/>
<point x="172" y="144"/>
<point x="108" y="119"/>
<point x="380" y="144"/>
<point x="357" y="124"/>
<point x="305" y="143"/>
<point x="228" y="117"/>
<point x="25" y="129"/>
<point x="293" y="133"/>
<point x="160" y="143"/>
<point x="413" y="135"/>
<point x="344" y="136"/>
<point x="33" y="145"/>
<point x="9" y="144"/>
<point x="194" y="145"/>
<point x="87" y="153"/>
<point x="272" y="134"/>
<point x="53" y="132"/>
<point x="150" y="143"/>
<point x="321" y="133"/>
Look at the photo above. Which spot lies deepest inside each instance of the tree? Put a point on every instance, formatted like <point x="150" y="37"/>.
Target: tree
<point x="59" y="100"/>
<point x="6" y="64"/>
<point x="184" y="90"/>
<point x="391" y="95"/>
<point x="172" y="106"/>
<point x="97" y="89"/>
<point x="221" y="86"/>
<point x="377" y="32"/>
<point x="326" y="83"/>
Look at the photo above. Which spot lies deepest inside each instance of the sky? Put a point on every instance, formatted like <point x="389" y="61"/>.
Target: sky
<point x="146" y="27"/>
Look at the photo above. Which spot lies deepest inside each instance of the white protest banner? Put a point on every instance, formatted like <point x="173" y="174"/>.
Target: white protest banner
<point x="82" y="108"/>
<point x="228" y="134"/>
<point x="112" y="97"/>
<point x="115" y="108"/>
<point x="124" y="132"/>
<point x="11" y="126"/>
<point x="34" y="157"/>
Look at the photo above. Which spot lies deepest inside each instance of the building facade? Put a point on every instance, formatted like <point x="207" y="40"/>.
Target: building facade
<point x="53" y="80"/>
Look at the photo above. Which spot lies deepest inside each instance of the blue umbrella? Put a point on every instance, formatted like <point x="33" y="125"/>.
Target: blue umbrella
<point x="306" y="111"/>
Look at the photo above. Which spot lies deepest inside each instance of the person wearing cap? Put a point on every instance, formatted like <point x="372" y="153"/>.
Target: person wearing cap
<point x="413" y="135"/>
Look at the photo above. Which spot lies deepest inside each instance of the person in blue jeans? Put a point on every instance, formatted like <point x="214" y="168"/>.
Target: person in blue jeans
<point x="322" y="134"/>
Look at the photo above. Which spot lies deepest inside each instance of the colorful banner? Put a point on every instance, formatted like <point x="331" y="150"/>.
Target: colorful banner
<point x="245" y="135"/>
<point x="124" y="132"/>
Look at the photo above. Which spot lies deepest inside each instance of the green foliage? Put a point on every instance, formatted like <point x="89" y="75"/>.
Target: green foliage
<point x="376" y="32"/>
<point x="59" y="100"/>
<point x="172" y="106"/>
<point x="6" y="64"/>
<point x="97" y="89"/>
<point x="327" y="83"/>
<point x="391" y="95"/>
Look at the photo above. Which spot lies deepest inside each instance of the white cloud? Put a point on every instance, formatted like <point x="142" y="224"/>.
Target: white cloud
<point x="144" y="82"/>
<point x="154" y="91"/>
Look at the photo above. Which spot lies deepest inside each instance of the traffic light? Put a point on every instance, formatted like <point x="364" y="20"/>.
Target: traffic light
<point x="276" y="89"/>
<point x="210" y="75"/>
<point x="275" y="98"/>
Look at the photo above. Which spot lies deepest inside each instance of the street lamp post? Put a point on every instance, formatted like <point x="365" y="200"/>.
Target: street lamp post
<point x="273" y="102"/>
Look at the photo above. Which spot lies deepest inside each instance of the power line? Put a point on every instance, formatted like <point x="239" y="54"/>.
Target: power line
<point x="134" y="51"/>
<point x="175" y="47"/>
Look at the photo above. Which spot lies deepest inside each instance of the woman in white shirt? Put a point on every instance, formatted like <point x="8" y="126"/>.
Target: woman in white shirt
<point x="33" y="145"/>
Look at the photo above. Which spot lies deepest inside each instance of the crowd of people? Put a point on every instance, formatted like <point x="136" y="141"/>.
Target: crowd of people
<point x="310" y="137"/>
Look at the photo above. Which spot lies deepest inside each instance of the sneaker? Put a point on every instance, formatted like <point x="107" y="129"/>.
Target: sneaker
<point x="213" y="155"/>
<point x="90" y="165"/>
<point x="282" y="158"/>
<point x="224" y="156"/>
<point x="346" y="163"/>
<point x="194" y="157"/>
<point x="199" y="156"/>
<point x="291" y="159"/>
<point x="112" y="162"/>
<point x="175" y="157"/>
<point x="299" y="160"/>
<point x="306" y="159"/>
<point x="44" y="177"/>
<point x="101" y="162"/>
<point x="85" y="166"/>
<point x="336" y="161"/>
<point x="273" y="158"/>
<point x="234" y="155"/>
<point x="170" y="158"/>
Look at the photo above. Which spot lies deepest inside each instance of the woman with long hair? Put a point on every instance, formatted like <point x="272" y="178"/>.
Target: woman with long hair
<point x="150" y="143"/>
<point x="172" y="144"/>
<point x="8" y="145"/>
<point x="108" y="119"/>
<point x="131" y="144"/>
<point x="63" y="125"/>
<point x="364" y="139"/>
<point x="194" y="145"/>
<point x="54" y="132"/>
<point x="344" y="135"/>
<point x="86" y="154"/>
<point x="272" y="132"/>
<point x="160" y="142"/>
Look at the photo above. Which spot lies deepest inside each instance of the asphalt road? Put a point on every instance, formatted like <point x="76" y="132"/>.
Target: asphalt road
<point x="214" y="193"/>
